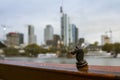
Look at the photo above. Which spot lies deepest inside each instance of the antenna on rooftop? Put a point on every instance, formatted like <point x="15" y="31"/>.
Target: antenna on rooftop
<point x="61" y="7"/>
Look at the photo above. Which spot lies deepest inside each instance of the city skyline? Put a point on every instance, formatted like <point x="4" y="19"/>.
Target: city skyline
<point x="69" y="31"/>
<point x="93" y="18"/>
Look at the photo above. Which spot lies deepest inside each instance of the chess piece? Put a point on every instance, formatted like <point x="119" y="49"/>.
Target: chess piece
<point x="81" y="63"/>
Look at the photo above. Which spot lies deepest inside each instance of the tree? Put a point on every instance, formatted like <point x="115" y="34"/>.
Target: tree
<point x="107" y="47"/>
<point x="43" y="50"/>
<point x="11" y="51"/>
<point x="32" y="49"/>
<point x="116" y="47"/>
<point x="52" y="49"/>
<point x="113" y="48"/>
<point x="96" y="43"/>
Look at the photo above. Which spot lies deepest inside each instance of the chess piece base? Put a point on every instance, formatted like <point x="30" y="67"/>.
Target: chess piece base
<point x="82" y="66"/>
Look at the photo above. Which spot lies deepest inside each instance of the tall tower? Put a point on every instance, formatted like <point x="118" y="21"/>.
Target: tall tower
<point x="61" y="9"/>
<point x="48" y="33"/>
<point x="74" y="34"/>
<point x="31" y="35"/>
<point x="65" y="27"/>
<point x="61" y="23"/>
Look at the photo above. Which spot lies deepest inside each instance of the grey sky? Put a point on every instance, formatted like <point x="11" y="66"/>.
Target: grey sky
<point x="92" y="17"/>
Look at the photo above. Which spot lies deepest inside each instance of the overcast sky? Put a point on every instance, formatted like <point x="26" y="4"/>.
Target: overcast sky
<point x="92" y="17"/>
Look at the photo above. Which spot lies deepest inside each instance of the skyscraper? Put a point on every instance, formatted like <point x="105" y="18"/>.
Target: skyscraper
<point x="65" y="28"/>
<point x="31" y="36"/>
<point x="48" y="33"/>
<point x="14" y="39"/>
<point x="74" y="34"/>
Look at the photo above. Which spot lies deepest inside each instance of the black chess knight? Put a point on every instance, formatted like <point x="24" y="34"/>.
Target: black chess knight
<point x="81" y="63"/>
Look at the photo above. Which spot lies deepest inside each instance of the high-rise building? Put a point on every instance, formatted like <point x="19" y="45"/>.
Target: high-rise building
<point x="31" y="35"/>
<point x="105" y="39"/>
<point x="14" y="39"/>
<point x="48" y="34"/>
<point x="73" y="34"/>
<point x="65" y="28"/>
<point x="56" y="38"/>
<point x="69" y="32"/>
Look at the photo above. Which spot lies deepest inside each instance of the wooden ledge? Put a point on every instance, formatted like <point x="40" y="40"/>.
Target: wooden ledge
<point x="14" y="70"/>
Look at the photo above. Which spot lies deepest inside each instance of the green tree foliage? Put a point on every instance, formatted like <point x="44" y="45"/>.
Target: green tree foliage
<point x="43" y="50"/>
<point x="111" y="47"/>
<point x="95" y="43"/>
<point x="32" y="49"/>
<point x="116" y="47"/>
<point x="52" y="49"/>
<point x="107" y="47"/>
<point x="11" y="51"/>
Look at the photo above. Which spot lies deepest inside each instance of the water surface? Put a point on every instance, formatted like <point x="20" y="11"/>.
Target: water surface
<point x="92" y="60"/>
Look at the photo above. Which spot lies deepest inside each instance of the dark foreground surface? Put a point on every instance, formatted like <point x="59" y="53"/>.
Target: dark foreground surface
<point x="14" y="70"/>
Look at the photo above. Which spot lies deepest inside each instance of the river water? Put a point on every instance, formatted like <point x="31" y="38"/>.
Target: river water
<point x="92" y="60"/>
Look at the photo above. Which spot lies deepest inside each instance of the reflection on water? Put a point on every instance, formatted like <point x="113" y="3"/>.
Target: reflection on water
<point x="92" y="60"/>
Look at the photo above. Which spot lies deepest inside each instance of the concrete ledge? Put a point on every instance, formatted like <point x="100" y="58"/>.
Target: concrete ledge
<point x="12" y="70"/>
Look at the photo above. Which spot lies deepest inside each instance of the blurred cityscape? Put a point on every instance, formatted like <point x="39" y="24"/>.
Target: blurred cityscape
<point x="54" y="38"/>
<point x="69" y="34"/>
<point x="63" y="43"/>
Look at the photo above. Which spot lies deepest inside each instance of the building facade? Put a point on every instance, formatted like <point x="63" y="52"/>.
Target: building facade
<point x="74" y="34"/>
<point x="65" y="29"/>
<point x="105" y="39"/>
<point x="31" y="35"/>
<point x="69" y="32"/>
<point x="56" y="38"/>
<point x="48" y="34"/>
<point x="14" y="39"/>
